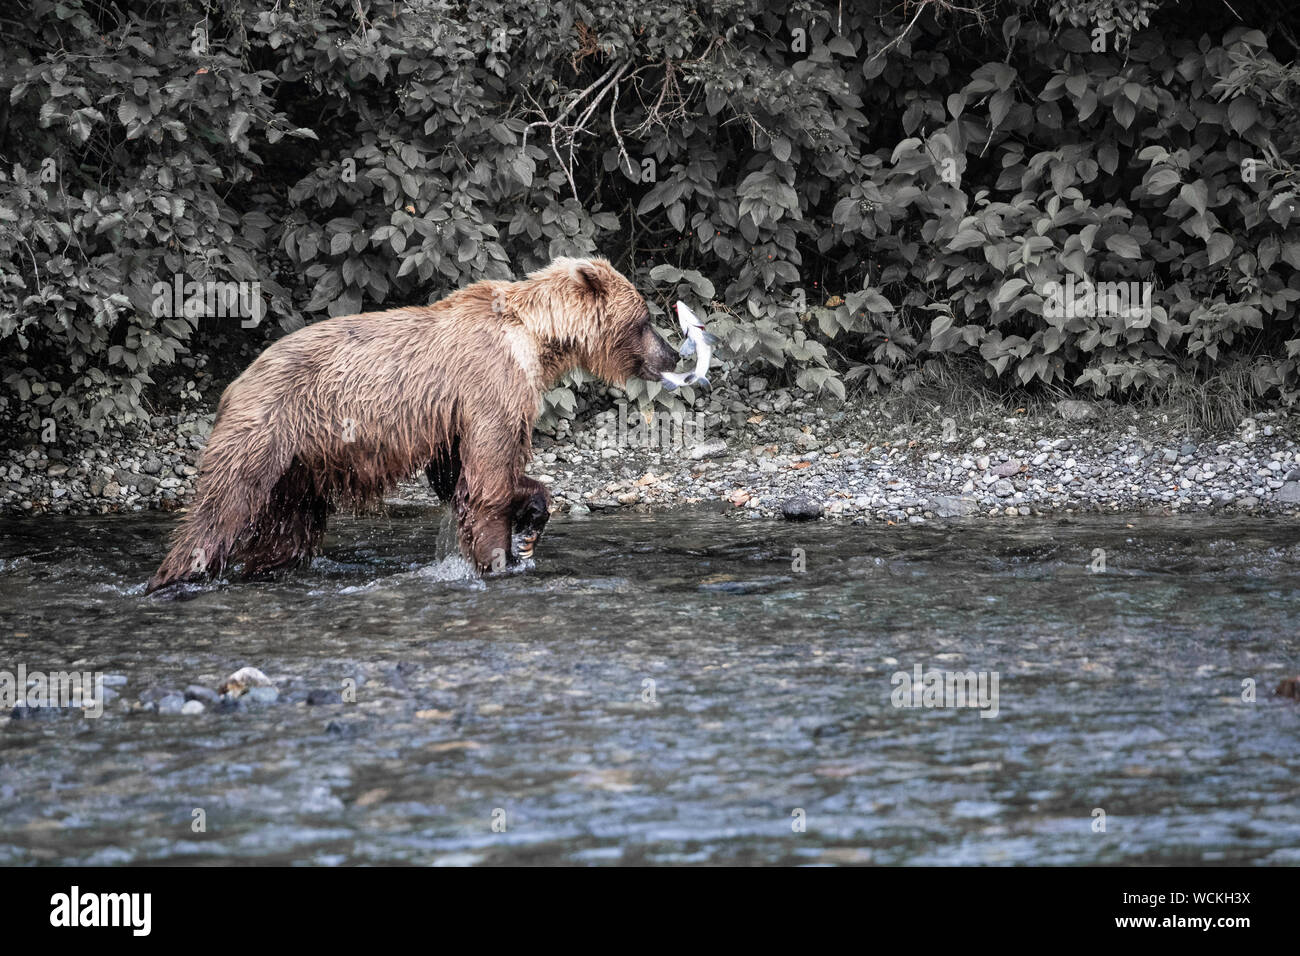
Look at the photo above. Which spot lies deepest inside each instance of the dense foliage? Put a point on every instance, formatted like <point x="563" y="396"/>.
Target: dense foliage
<point x="863" y="191"/>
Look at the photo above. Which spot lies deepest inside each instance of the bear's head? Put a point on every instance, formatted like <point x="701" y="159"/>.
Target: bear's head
<point x="594" y="318"/>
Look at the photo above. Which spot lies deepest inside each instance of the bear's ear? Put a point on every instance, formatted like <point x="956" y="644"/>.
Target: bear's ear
<point x="588" y="275"/>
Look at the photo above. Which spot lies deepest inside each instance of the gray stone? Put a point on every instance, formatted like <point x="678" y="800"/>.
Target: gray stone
<point x="263" y="695"/>
<point x="713" y="448"/>
<point x="204" y="695"/>
<point x="800" y="508"/>
<point x="1289" y="493"/>
<point x="950" y="506"/>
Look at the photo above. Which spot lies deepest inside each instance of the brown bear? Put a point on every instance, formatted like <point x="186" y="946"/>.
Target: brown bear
<point x="339" y="411"/>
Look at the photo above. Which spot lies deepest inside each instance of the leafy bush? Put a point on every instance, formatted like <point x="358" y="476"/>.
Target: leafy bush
<point x="859" y="194"/>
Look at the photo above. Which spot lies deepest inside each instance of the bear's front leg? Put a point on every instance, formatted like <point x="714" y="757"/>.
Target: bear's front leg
<point x="493" y="496"/>
<point x="485" y="534"/>
<point x="531" y="509"/>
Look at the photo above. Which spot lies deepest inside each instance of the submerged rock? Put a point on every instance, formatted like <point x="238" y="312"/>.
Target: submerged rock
<point x="24" y="712"/>
<point x="204" y="695"/>
<point x="229" y="705"/>
<point x="263" y="695"/>
<point x="156" y="694"/>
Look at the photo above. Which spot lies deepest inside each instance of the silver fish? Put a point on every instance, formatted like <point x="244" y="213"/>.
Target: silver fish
<point x="698" y="343"/>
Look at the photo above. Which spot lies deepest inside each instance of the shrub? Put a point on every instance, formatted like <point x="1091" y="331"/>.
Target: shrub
<point x="858" y="194"/>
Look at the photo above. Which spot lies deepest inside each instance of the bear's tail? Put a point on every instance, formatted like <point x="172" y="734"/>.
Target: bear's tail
<point x="236" y="477"/>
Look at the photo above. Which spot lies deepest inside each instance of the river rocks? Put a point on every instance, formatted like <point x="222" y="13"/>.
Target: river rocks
<point x="746" y="454"/>
<point x="800" y="508"/>
<point x="320" y="696"/>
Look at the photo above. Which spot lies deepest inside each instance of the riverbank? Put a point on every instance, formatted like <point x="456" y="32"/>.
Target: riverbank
<point x="761" y="451"/>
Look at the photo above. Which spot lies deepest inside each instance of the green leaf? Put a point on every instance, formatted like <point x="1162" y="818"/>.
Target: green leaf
<point x="1125" y="246"/>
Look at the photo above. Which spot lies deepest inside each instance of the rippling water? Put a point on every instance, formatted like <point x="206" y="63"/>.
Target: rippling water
<point x="670" y="688"/>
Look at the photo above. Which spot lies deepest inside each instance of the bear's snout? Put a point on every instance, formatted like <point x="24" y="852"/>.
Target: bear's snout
<point x="657" y="356"/>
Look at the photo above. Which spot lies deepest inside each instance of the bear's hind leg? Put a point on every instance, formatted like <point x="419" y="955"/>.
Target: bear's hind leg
<point x="238" y="473"/>
<point x="290" y="528"/>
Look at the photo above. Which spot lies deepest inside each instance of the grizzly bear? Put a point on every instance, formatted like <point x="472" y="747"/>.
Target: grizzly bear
<point x="339" y="411"/>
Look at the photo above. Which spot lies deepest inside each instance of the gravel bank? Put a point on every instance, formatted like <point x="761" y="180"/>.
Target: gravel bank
<point x="761" y="451"/>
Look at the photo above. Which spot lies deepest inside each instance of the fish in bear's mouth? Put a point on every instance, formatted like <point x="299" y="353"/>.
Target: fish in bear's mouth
<point x="697" y="342"/>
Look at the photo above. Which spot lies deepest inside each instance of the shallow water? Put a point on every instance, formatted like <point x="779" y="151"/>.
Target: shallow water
<point x="525" y="697"/>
